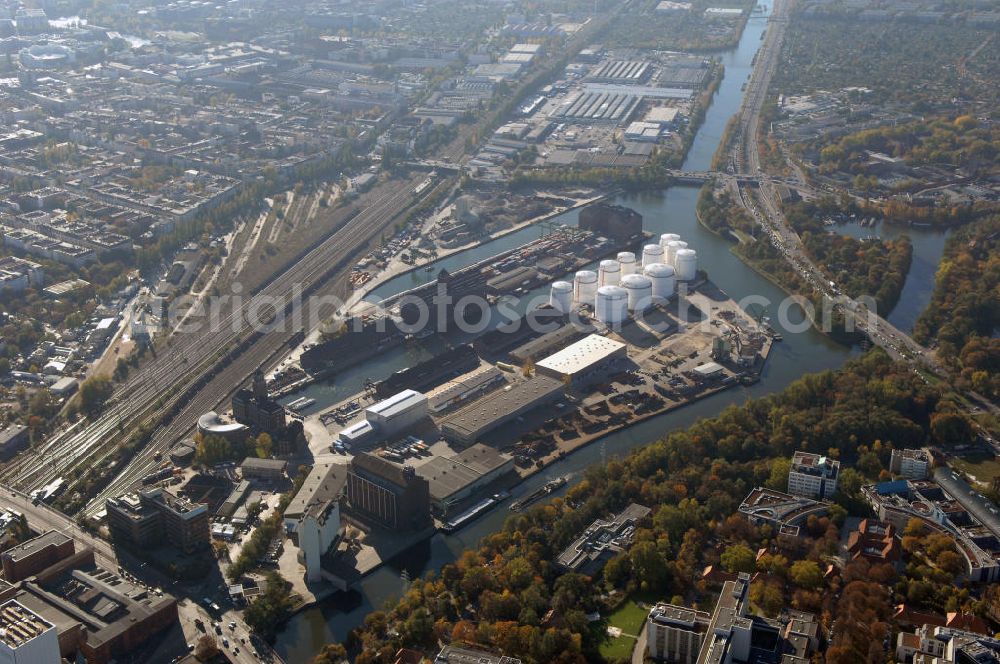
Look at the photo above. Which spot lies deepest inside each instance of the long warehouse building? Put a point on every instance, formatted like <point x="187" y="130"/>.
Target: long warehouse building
<point x="614" y="107"/>
<point x="463" y="388"/>
<point x="454" y="479"/>
<point x="468" y="424"/>
<point x="587" y="361"/>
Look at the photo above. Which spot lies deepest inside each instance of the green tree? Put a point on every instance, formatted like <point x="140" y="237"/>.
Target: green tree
<point x="649" y="565"/>
<point x="206" y="648"/>
<point x="419" y="627"/>
<point x="332" y="653"/>
<point x="767" y="596"/>
<point x="121" y="369"/>
<point x="617" y="571"/>
<point x="738" y="558"/>
<point x="806" y="574"/>
<point x="266" y="614"/>
<point x="950" y="428"/>
<point x="951" y="562"/>
<point x="42" y="405"/>
<point x="213" y="449"/>
<point x="94" y="393"/>
<point x="264" y="445"/>
<point x="778" y="478"/>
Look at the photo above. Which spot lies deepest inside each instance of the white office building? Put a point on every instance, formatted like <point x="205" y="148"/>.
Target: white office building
<point x="676" y="633"/>
<point x="911" y="464"/>
<point x="813" y="476"/>
<point x="312" y="518"/>
<point x="26" y="637"/>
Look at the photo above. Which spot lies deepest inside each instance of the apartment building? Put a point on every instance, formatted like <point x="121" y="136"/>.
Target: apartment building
<point x="31" y="557"/>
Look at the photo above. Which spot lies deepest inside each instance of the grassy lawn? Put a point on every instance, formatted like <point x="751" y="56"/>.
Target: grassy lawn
<point x="629" y="618"/>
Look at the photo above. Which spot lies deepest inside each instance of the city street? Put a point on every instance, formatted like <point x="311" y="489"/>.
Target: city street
<point x="42" y="518"/>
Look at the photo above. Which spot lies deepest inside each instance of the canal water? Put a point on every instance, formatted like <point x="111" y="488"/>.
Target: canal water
<point x="672" y="210"/>
<point x="928" y="247"/>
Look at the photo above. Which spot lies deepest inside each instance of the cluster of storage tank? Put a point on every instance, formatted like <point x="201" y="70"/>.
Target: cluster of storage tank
<point x="679" y="256"/>
<point x="629" y="284"/>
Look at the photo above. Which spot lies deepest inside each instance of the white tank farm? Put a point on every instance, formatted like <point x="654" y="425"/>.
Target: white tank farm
<point x="561" y="296"/>
<point x="611" y="305"/>
<point x="672" y="248"/>
<point x="686" y="264"/>
<point x="652" y="253"/>
<point x="640" y="291"/>
<point x="628" y="263"/>
<point x="609" y="273"/>
<point x="585" y="287"/>
<point x="662" y="277"/>
<point x="667" y="238"/>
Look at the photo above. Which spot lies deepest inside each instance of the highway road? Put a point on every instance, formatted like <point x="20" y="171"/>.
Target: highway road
<point x="763" y="204"/>
<point x="43" y="518"/>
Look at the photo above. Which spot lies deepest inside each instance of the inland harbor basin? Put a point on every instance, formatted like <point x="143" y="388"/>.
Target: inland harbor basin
<point x="577" y="334"/>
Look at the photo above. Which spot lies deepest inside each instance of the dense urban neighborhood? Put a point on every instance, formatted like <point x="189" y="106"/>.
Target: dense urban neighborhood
<point x="622" y="331"/>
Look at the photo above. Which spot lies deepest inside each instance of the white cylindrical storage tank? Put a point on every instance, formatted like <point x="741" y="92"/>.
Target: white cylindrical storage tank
<point x="667" y="238"/>
<point x="628" y="263"/>
<point x="611" y="305"/>
<point x="585" y="287"/>
<point x="662" y="277"/>
<point x="686" y="264"/>
<point x="609" y="273"/>
<point x="652" y="253"/>
<point x="640" y="291"/>
<point x="672" y="248"/>
<point x="561" y="296"/>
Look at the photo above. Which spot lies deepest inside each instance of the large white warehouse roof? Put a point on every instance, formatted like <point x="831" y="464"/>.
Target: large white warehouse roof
<point x="397" y="403"/>
<point x="581" y="355"/>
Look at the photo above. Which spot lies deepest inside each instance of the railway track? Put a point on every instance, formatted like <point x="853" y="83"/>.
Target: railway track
<point x="174" y="384"/>
<point x="196" y="371"/>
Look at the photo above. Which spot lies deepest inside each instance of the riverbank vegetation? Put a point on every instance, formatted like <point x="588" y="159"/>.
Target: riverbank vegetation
<point x="964" y="312"/>
<point x="720" y="213"/>
<point x="506" y="594"/>
<point x="875" y="269"/>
